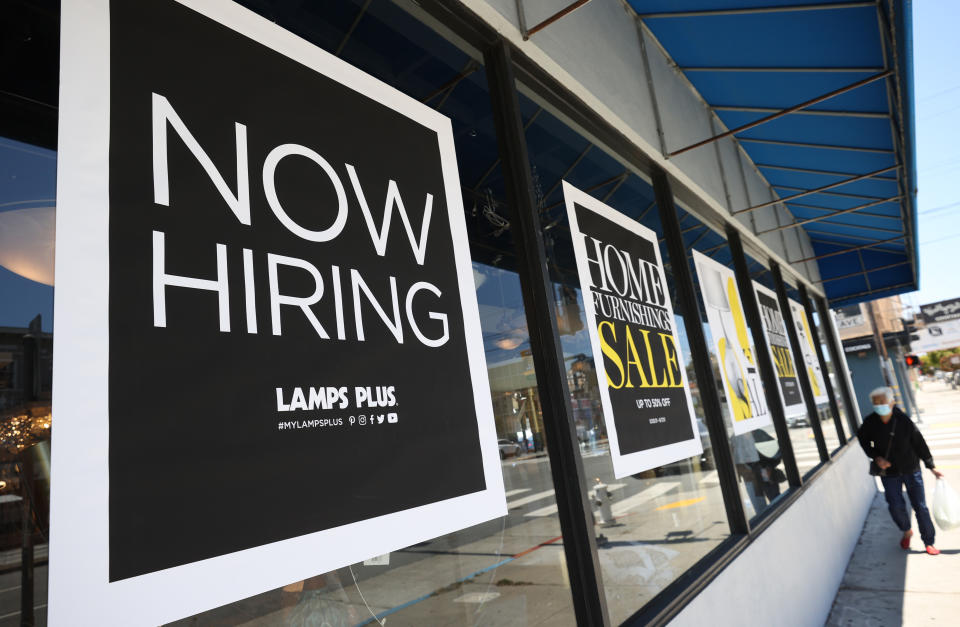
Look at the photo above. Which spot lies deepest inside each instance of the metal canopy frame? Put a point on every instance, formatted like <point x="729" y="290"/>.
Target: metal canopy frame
<point x="860" y="177"/>
<point x="793" y="8"/>
<point x="841" y="212"/>
<point x="779" y="113"/>
<point x="780" y="142"/>
<point x="529" y="32"/>
<point x="894" y="113"/>
<point x="818" y="70"/>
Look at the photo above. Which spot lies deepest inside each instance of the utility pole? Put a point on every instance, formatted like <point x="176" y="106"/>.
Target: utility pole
<point x="888" y="378"/>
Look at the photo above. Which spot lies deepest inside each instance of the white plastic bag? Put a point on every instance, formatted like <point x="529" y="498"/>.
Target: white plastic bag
<point x="946" y="506"/>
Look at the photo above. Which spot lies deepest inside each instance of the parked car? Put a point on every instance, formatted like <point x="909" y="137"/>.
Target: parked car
<point x="798" y="421"/>
<point x="508" y="448"/>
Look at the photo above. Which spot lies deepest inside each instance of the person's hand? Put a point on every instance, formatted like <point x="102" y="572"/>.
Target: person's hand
<point x="882" y="463"/>
<point x="936" y="473"/>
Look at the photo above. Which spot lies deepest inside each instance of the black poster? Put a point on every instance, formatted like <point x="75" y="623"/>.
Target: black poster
<point x="294" y="344"/>
<point x="645" y="393"/>
<point x="776" y="331"/>
<point x="941" y="311"/>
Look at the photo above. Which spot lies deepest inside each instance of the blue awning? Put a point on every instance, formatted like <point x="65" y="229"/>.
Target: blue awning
<point x="753" y="59"/>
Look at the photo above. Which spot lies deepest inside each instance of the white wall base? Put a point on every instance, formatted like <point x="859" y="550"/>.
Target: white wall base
<point x="790" y="574"/>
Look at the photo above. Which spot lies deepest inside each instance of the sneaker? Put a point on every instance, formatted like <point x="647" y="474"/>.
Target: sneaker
<point x="932" y="550"/>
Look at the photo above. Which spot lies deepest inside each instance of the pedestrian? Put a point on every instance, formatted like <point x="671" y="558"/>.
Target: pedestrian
<point x="895" y="447"/>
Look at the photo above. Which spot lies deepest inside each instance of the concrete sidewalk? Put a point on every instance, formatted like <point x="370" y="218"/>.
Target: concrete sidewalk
<point x="887" y="586"/>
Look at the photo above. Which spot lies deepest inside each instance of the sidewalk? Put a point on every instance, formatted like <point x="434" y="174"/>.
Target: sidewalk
<point x="887" y="586"/>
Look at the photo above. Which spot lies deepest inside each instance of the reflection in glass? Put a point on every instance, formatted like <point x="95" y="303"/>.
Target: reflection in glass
<point x="510" y="570"/>
<point x="27" y="192"/>
<point x="654" y="525"/>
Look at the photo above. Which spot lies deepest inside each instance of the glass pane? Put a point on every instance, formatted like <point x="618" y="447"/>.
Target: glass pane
<point x="799" y="423"/>
<point x="654" y="525"/>
<point x="27" y="210"/>
<point x="756" y="454"/>
<point x="832" y="373"/>
<point x="510" y="570"/>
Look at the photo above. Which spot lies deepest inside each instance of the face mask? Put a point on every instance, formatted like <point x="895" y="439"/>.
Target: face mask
<point x="882" y="410"/>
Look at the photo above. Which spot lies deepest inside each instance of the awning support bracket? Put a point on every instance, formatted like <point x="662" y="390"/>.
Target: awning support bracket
<point x="783" y="112"/>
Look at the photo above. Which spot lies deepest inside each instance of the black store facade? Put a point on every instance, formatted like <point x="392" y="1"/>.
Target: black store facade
<point x="308" y="315"/>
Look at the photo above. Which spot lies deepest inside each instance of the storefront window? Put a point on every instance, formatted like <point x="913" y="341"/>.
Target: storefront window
<point x="28" y="175"/>
<point x="835" y="381"/>
<point x="756" y="452"/>
<point x="651" y="526"/>
<point x="654" y="525"/>
<point x="511" y="568"/>
<point x="799" y="422"/>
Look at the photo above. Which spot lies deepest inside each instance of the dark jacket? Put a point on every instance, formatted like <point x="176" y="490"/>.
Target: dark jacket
<point x="907" y="449"/>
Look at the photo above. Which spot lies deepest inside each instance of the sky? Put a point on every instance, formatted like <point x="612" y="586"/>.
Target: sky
<point x="936" y="49"/>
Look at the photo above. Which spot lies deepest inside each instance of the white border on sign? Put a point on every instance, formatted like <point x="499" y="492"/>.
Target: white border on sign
<point x="631" y="463"/>
<point x="797" y="409"/>
<point x="80" y="591"/>
<point x="742" y="426"/>
<point x="807" y="351"/>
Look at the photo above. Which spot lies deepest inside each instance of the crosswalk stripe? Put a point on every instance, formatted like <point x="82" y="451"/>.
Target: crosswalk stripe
<point x="950" y="437"/>
<point x="543" y="511"/>
<point x="624" y="506"/>
<point x="552" y="509"/>
<point x="529" y="499"/>
<point x="711" y="478"/>
<point x="516" y="492"/>
<point x="945" y="452"/>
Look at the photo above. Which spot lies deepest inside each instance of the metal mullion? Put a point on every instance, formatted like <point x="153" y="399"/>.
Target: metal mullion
<point x="831" y="397"/>
<point x="806" y="389"/>
<point x="566" y="465"/>
<point x="700" y="355"/>
<point x="840" y="362"/>
<point x="771" y="385"/>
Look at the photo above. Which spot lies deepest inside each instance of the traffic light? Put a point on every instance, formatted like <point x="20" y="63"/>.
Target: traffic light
<point x="912" y="360"/>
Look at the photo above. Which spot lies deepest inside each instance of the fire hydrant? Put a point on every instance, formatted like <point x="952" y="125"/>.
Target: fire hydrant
<point x="602" y="499"/>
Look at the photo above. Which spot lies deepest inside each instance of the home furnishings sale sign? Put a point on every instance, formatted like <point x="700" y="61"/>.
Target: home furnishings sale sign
<point x="643" y="380"/>
<point x="269" y="356"/>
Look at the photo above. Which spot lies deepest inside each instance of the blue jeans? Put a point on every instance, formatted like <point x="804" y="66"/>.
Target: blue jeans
<point x="893" y="491"/>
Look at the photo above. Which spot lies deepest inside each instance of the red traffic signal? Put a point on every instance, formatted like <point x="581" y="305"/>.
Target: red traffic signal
<point x="912" y="360"/>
